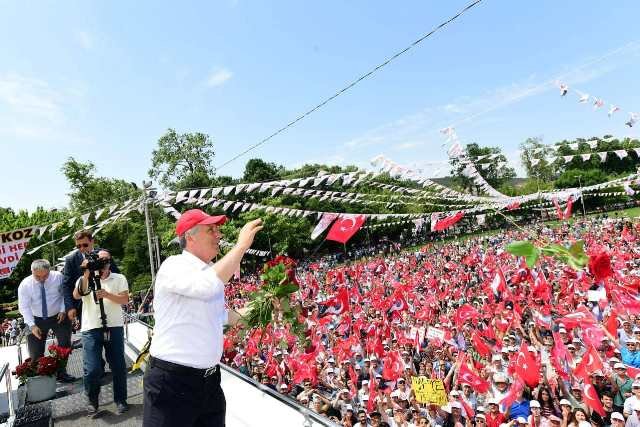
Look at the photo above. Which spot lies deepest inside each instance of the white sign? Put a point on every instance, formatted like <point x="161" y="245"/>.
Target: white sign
<point x="12" y="246"/>
<point x="433" y="333"/>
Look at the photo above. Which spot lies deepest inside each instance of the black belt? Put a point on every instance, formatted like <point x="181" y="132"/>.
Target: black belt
<point x="181" y="369"/>
<point x="45" y="318"/>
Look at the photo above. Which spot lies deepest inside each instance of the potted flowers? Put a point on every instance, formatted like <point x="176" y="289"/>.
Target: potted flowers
<point x="40" y="376"/>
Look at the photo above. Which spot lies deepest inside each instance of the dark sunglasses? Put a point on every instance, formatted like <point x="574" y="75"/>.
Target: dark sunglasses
<point x="82" y="245"/>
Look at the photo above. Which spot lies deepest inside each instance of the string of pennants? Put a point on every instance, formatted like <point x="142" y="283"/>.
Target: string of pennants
<point x="597" y="103"/>
<point x="114" y="212"/>
<point x="255" y="252"/>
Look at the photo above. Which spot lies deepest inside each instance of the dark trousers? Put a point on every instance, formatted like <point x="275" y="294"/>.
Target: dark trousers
<point x="93" y="343"/>
<point x="61" y="330"/>
<point x="182" y="400"/>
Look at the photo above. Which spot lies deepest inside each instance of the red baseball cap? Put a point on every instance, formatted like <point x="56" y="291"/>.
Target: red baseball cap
<point x="193" y="217"/>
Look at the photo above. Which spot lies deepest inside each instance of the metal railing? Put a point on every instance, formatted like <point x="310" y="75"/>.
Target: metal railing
<point x="6" y="373"/>
<point x="23" y="333"/>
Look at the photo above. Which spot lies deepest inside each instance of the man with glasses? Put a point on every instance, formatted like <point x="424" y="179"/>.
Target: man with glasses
<point x="114" y="293"/>
<point x="617" y="420"/>
<point x="632" y="400"/>
<point x="73" y="271"/>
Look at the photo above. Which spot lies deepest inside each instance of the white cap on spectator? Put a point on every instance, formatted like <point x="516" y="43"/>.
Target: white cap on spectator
<point x="365" y="382"/>
<point x="283" y="385"/>
<point x="357" y="366"/>
<point x="614" y="360"/>
<point x="366" y="359"/>
<point x="365" y="397"/>
<point x="344" y="390"/>
<point x="331" y="360"/>
<point x="499" y="377"/>
<point x="532" y="348"/>
<point x="454" y="393"/>
<point x="348" y="408"/>
<point x="562" y="330"/>
<point x="571" y="346"/>
<point x="496" y="357"/>
<point x="636" y="384"/>
<point x="493" y="402"/>
<point x="329" y="370"/>
<point x="617" y="416"/>
<point x="504" y="350"/>
<point x="521" y="420"/>
<point x="480" y="409"/>
<point x="480" y="416"/>
<point x="455" y="405"/>
<point x="565" y="402"/>
<point x="632" y="341"/>
<point x="576" y="340"/>
<point x="534" y="404"/>
<point x="619" y="366"/>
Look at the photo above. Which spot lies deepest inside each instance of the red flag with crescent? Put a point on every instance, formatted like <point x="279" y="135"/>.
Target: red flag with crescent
<point x="345" y="227"/>
<point x="526" y="367"/>
<point x="590" y="362"/>
<point x="466" y="376"/>
<point x="591" y="396"/>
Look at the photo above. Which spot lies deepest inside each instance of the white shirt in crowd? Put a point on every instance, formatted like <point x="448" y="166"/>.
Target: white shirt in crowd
<point x="189" y="312"/>
<point x="30" y="297"/>
<point x="115" y="284"/>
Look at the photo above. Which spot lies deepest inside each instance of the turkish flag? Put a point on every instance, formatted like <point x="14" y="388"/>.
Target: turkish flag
<point x="336" y="305"/>
<point x="580" y="317"/>
<point x="464" y="313"/>
<point x="447" y="222"/>
<point x="592" y="335"/>
<point x="512" y="206"/>
<point x="345" y="227"/>
<point x="393" y="366"/>
<point x="499" y="283"/>
<point x="526" y="367"/>
<point x="567" y="211"/>
<point x="466" y="376"/>
<point x="591" y="396"/>
<point x="512" y="394"/>
<point x="590" y="362"/>
<point x="480" y="346"/>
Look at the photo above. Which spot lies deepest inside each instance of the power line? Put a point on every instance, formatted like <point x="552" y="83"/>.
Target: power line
<point x="350" y="85"/>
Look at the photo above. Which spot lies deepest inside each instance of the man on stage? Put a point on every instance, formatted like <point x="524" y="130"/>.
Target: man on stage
<point x="182" y="383"/>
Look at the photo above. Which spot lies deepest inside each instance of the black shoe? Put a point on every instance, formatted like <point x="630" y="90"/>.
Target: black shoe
<point x="121" y="408"/>
<point x="92" y="410"/>
<point x="66" y="378"/>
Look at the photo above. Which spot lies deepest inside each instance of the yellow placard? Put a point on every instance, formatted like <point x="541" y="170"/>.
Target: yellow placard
<point x="427" y="390"/>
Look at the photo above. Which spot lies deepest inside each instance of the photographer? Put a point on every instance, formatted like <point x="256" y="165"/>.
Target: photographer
<point x="113" y="293"/>
<point x="72" y="270"/>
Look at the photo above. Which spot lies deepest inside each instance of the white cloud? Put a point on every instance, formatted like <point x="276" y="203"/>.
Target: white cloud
<point x="84" y="39"/>
<point x="30" y="97"/>
<point x="424" y="124"/>
<point x="219" y="77"/>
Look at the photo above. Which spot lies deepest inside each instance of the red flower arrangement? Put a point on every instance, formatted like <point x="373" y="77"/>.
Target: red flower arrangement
<point x="46" y="365"/>
<point x="600" y="266"/>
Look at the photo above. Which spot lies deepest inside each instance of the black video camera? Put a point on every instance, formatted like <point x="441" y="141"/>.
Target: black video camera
<point x="95" y="263"/>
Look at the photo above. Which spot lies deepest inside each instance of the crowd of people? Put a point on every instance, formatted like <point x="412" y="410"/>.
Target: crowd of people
<point x="546" y="345"/>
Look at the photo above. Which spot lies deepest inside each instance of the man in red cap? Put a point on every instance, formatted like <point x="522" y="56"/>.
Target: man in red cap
<point x="182" y="383"/>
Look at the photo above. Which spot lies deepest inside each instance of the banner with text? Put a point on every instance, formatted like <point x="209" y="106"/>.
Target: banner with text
<point x="428" y="390"/>
<point x="12" y="246"/>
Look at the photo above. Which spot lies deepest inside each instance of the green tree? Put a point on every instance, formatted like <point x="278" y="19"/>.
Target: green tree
<point x="257" y="170"/>
<point x="183" y="158"/>
<point x="534" y="156"/>
<point x="492" y="167"/>
<point x="572" y="178"/>
<point x="89" y="191"/>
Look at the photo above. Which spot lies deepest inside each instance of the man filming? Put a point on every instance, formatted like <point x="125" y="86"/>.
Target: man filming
<point x="99" y="332"/>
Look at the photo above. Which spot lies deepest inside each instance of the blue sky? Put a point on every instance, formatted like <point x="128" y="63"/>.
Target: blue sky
<point x="101" y="81"/>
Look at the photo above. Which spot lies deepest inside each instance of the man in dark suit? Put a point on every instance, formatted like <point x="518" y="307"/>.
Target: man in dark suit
<point x="73" y="271"/>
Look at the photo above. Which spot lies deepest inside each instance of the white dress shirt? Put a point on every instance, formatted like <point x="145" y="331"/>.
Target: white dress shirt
<point x="30" y="297"/>
<point x="189" y="312"/>
<point x="116" y="283"/>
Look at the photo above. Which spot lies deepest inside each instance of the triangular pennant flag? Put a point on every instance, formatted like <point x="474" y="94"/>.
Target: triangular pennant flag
<point x="585" y="157"/>
<point x="603" y="156"/>
<point x="182" y="195"/>
<point x="621" y="153"/>
<point x="228" y="189"/>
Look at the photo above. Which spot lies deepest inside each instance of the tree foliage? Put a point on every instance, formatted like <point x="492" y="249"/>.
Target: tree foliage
<point x="183" y="160"/>
<point x="494" y="168"/>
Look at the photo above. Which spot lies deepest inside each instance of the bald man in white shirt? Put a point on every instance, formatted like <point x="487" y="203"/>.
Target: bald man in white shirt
<point x="182" y="383"/>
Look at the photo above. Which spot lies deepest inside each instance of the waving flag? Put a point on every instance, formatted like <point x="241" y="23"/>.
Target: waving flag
<point x="590" y="362"/>
<point x="526" y="367"/>
<point x="337" y="305"/>
<point x="325" y="222"/>
<point x="345" y="227"/>
<point x="466" y="376"/>
<point x="393" y="366"/>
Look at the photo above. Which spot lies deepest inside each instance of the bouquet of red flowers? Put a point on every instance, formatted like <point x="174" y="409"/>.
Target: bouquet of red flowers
<point x="46" y="365"/>
<point x="278" y="282"/>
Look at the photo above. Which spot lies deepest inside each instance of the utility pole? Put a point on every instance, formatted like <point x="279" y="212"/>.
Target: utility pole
<point x="584" y="213"/>
<point x="148" y="197"/>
